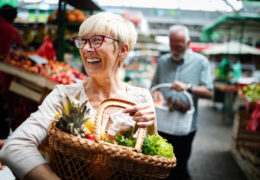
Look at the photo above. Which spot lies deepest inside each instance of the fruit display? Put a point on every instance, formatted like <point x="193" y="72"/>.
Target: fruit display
<point x="251" y="93"/>
<point x="75" y="15"/>
<point x="54" y="70"/>
<point x="254" y="123"/>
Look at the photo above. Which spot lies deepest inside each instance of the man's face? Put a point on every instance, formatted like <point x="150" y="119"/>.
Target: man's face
<point x="177" y="45"/>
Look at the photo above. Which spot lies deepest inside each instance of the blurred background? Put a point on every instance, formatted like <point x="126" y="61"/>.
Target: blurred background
<point x="226" y="31"/>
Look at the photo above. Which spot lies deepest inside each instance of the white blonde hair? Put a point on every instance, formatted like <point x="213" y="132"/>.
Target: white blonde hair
<point x="111" y="24"/>
<point x="180" y="29"/>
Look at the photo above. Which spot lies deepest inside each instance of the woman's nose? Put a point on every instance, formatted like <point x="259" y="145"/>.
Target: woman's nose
<point x="88" y="47"/>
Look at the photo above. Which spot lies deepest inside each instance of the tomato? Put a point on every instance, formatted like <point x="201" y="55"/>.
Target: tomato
<point x="90" y="136"/>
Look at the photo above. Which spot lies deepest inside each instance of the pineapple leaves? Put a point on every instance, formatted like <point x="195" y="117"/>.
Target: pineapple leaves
<point x="78" y="95"/>
<point x="74" y="115"/>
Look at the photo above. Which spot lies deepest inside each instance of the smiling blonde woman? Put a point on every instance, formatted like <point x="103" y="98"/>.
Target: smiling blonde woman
<point x="104" y="41"/>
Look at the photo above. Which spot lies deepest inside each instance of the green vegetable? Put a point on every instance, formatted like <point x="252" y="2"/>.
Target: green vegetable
<point x="252" y="92"/>
<point x="152" y="145"/>
<point x="157" y="145"/>
<point x="124" y="141"/>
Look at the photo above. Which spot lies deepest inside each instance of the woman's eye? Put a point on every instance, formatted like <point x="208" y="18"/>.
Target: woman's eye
<point x="97" y="39"/>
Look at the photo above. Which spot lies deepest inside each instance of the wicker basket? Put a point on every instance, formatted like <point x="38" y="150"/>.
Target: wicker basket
<point x="72" y="157"/>
<point x="176" y="123"/>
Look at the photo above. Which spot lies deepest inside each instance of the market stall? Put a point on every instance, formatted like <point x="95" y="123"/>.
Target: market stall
<point x="25" y="83"/>
<point x="231" y="48"/>
<point x="233" y="26"/>
<point x="245" y="146"/>
<point x="47" y="34"/>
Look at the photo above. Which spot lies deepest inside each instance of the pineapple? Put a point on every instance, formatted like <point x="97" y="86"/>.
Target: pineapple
<point x="73" y="117"/>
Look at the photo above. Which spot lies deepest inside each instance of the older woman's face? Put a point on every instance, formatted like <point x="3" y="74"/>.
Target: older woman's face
<point x="102" y="61"/>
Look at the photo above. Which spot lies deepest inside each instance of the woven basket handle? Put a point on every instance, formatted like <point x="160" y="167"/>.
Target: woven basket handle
<point x="116" y="103"/>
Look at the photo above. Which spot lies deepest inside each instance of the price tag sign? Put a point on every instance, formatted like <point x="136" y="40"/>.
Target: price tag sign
<point x="38" y="59"/>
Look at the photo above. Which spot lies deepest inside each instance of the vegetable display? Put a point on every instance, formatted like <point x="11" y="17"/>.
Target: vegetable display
<point x="252" y="92"/>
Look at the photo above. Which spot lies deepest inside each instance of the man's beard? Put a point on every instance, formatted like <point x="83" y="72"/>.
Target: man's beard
<point x="180" y="56"/>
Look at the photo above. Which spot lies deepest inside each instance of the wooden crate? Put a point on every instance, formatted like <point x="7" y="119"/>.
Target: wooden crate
<point x="253" y="155"/>
<point x="27" y="84"/>
<point x="251" y="170"/>
<point x="31" y="77"/>
<point x="241" y="135"/>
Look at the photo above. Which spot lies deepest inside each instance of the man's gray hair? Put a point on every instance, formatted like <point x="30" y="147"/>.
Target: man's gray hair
<point x="180" y="29"/>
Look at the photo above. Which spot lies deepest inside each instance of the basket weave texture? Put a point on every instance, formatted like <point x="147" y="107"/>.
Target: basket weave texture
<point x="72" y="157"/>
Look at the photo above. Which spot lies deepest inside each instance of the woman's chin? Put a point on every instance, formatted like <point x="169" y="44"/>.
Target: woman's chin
<point x="93" y="72"/>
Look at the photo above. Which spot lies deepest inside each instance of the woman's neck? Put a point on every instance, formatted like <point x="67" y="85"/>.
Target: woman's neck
<point x="105" y="88"/>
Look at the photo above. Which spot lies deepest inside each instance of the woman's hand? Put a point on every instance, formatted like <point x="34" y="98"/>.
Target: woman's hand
<point x="158" y="98"/>
<point x="2" y="142"/>
<point x="143" y="114"/>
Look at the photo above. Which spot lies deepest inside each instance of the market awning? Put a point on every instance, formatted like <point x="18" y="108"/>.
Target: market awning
<point x="234" y="48"/>
<point x="198" y="46"/>
<point x="233" y="25"/>
<point x="84" y="5"/>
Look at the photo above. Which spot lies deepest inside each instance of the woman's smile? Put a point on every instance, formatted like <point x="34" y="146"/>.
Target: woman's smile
<point x="93" y="60"/>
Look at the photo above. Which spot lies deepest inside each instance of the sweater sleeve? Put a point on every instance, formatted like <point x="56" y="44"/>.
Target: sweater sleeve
<point x="20" y="152"/>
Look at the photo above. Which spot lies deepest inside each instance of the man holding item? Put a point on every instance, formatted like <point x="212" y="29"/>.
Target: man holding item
<point x="186" y="71"/>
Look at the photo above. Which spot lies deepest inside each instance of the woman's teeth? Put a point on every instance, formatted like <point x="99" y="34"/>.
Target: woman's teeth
<point x="93" y="60"/>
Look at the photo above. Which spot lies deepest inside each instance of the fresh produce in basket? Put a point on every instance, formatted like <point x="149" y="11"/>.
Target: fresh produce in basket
<point x="90" y="126"/>
<point x="74" y="120"/>
<point x="177" y="105"/>
<point x="73" y="117"/>
<point x="152" y="145"/>
<point x="75" y="157"/>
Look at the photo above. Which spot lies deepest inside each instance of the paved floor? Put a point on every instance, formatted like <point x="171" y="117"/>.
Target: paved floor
<point x="211" y="158"/>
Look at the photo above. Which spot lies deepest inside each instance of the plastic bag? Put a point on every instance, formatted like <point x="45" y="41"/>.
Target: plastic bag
<point x="46" y="49"/>
<point x="237" y="69"/>
<point x="224" y="68"/>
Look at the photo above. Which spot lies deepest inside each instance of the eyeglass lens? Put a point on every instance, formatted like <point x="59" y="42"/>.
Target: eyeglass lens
<point x="94" y="41"/>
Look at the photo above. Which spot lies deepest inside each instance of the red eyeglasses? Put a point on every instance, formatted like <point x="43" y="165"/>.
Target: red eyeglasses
<point x="94" y="41"/>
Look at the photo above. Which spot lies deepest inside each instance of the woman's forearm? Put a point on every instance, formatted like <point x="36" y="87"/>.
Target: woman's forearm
<point x="41" y="172"/>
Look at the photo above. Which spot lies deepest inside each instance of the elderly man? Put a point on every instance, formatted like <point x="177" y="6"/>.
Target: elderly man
<point x="186" y="71"/>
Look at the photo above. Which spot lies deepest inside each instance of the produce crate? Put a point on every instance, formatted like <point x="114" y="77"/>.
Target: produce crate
<point x="23" y="74"/>
<point x="27" y="84"/>
<point x="251" y="170"/>
<point x="241" y="135"/>
<point x="253" y="155"/>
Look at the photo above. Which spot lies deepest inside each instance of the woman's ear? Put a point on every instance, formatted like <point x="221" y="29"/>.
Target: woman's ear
<point x="124" y="50"/>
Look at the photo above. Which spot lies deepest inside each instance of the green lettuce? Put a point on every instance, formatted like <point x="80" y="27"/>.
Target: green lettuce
<point x="157" y="145"/>
<point x="152" y="145"/>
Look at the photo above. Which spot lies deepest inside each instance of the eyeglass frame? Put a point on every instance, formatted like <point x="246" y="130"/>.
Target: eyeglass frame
<point x="87" y="40"/>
